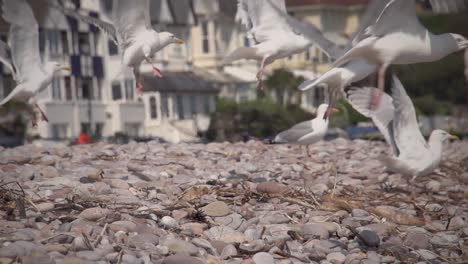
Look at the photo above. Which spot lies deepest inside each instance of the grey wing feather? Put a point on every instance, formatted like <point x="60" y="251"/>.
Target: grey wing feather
<point x="5" y="58"/>
<point x="359" y="98"/>
<point x="313" y="34"/>
<point x="106" y="27"/>
<point x="408" y="136"/>
<point x="398" y="15"/>
<point x="296" y="132"/>
<point x="449" y="6"/>
<point x="373" y="11"/>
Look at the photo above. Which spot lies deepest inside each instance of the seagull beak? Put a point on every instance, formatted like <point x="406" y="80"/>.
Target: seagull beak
<point x="66" y="68"/>
<point x="335" y="111"/>
<point x="453" y="137"/>
<point x="179" y="41"/>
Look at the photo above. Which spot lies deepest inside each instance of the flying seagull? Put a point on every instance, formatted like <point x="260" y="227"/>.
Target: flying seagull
<point x="397" y="37"/>
<point x="22" y="56"/>
<point x="131" y="30"/>
<point x="273" y="36"/>
<point x="307" y="132"/>
<point x="395" y="117"/>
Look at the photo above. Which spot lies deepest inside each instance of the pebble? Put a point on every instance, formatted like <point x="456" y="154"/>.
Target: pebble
<point x="417" y="240"/>
<point x="263" y="258"/>
<point x="315" y="231"/>
<point x="180" y="247"/>
<point x="456" y="223"/>
<point x="359" y="213"/>
<point x="95" y="213"/>
<point x="181" y="259"/>
<point x="226" y="234"/>
<point x="169" y="222"/>
<point x="216" y="209"/>
<point x="336" y="258"/>
<point x="272" y="188"/>
<point x="433" y="186"/>
<point x="369" y="238"/>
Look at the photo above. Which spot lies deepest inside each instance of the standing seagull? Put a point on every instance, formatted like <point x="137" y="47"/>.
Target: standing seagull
<point x="307" y="132"/>
<point x="397" y="37"/>
<point x="22" y="55"/>
<point x="396" y="119"/>
<point x="131" y="30"/>
<point x="273" y="36"/>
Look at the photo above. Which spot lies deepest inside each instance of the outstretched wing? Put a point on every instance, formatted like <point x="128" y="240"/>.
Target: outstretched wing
<point x="24" y="39"/>
<point x="408" y="137"/>
<point x="312" y="33"/>
<point x="5" y="58"/>
<point x="262" y="19"/>
<point x="296" y="132"/>
<point x="131" y="18"/>
<point x="359" y="98"/>
<point x="106" y="27"/>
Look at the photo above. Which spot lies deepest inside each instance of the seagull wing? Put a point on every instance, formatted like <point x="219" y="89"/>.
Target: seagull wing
<point x="131" y="18"/>
<point x="359" y="97"/>
<point x="373" y="11"/>
<point x="24" y="39"/>
<point x="312" y="33"/>
<point x="296" y="132"/>
<point x="408" y="137"/>
<point x="106" y="27"/>
<point x="449" y="6"/>
<point x="398" y="15"/>
<point x="5" y="58"/>
<point x="262" y="19"/>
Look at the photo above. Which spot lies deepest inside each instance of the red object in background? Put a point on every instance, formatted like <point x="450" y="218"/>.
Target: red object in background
<point x="83" y="139"/>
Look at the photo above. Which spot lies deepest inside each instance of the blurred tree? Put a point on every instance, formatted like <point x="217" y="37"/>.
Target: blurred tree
<point x="284" y="83"/>
<point x="261" y="118"/>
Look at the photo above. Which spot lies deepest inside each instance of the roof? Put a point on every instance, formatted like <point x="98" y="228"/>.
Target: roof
<point x="178" y="82"/>
<point x="294" y="3"/>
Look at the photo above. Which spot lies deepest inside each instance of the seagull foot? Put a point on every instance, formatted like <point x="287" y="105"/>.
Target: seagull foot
<point x="375" y="100"/>
<point x="157" y="72"/>
<point x="139" y="89"/>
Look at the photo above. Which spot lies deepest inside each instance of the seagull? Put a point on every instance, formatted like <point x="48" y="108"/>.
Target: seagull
<point x="22" y="56"/>
<point x="131" y="30"/>
<point x="273" y="36"/>
<point x="395" y="117"/>
<point x="307" y="132"/>
<point x="397" y="37"/>
<point x="338" y="78"/>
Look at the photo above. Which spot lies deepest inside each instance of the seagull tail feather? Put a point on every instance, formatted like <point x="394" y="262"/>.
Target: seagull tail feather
<point x="240" y="53"/>
<point x="395" y="165"/>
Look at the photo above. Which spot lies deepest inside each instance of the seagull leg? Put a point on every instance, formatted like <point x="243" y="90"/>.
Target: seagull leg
<point x="139" y="88"/>
<point x="260" y="74"/>
<point x="375" y="96"/>
<point x="156" y="72"/>
<point x="43" y="116"/>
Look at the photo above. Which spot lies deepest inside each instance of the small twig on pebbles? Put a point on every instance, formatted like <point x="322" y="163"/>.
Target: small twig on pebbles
<point x="20" y="207"/>
<point x="87" y="242"/>
<point x="99" y="238"/>
<point x="296" y="201"/>
<point x="120" y="257"/>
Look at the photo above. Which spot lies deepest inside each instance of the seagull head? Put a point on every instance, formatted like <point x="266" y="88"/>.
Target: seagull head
<point x="461" y="41"/>
<point x="54" y="67"/>
<point x="167" y="38"/>
<point x="441" y="136"/>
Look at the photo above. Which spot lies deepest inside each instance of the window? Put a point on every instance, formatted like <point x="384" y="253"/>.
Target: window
<point x="153" y="109"/>
<point x="116" y="91"/>
<point x="56" y="89"/>
<point x="207" y="103"/>
<point x="246" y="41"/>
<point x="59" y="131"/>
<point x="86" y="91"/>
<point x="319" y="96"/>
<point x="53" y="39"/>
<point x="68" y="89"/>
<point x="98" y="130"/>
<point x="84" y="43"/>
<point x="165" y="105"/>
<point x="113" y="49"/>
<point x="205" y="37"/>
<point x="132" y="129"/>
<point x="129" y="90"/>
<point x="180" y="106"/>
<point x="86" y="127"/>
<point x="86" y="66"/>
<point x="64" y="41"/>
<point x="193" y="105"/>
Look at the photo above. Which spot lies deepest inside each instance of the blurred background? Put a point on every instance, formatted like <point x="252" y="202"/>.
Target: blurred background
<point x="199" y="99"/>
